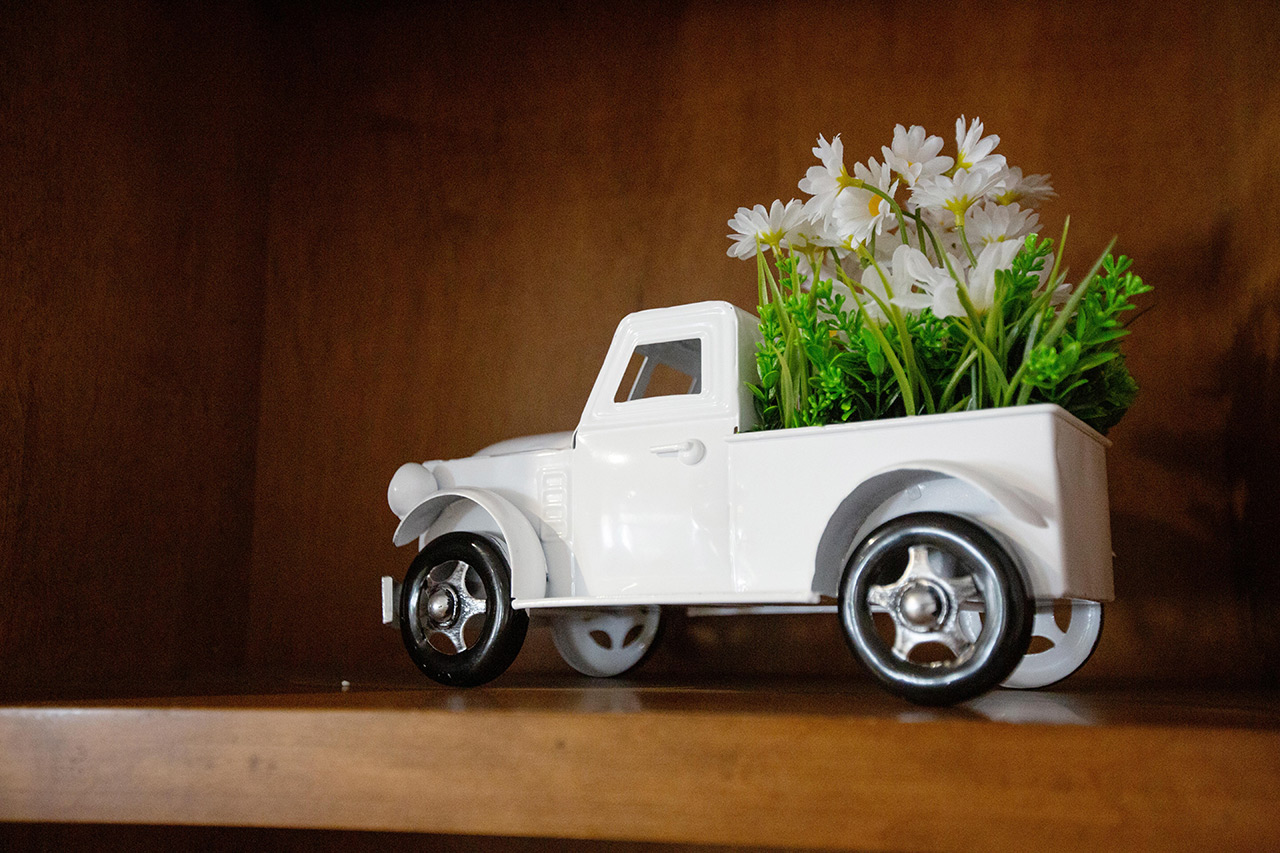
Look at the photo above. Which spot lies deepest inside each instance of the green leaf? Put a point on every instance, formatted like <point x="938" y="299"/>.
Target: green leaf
<point x="1097" y="359"/>
<point x="875" y="356"/>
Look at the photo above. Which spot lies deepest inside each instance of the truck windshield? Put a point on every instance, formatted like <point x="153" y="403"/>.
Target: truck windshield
<point x="664" y="369"/>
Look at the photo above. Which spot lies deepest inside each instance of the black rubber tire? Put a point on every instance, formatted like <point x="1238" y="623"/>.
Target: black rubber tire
<point x="504" y="627"/>
<point x="1006" y="631"/>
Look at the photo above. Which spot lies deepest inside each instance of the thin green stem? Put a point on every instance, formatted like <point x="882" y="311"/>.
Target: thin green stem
<point x="761" y="270"/>
<point x="814" y="268"/>
<point x="908" y="350"/>
<point x="920" y="236"/>
<point x="990" y="364"/>
<point x="1068" y="311"/>
<point x="964" y="240"/>
<point x="943" y="258"/>
<point x="904" y="382"/>
<point x="893" y="205"/>
<point x="1038" y="310"/>
<point x="1057" y="259"/>
<point x="956" y="376"/>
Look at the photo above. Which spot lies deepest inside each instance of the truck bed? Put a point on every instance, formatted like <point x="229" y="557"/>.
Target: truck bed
<point x="1034" y="475"/>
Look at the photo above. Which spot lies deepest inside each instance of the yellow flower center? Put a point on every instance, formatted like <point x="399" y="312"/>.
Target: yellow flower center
<point x="959" y="205"/>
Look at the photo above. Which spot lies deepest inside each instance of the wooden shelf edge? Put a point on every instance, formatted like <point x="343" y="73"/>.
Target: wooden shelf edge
<point x="722" y="777"/>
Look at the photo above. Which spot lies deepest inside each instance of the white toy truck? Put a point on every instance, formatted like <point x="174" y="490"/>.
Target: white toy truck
<point x="946" y="539"/>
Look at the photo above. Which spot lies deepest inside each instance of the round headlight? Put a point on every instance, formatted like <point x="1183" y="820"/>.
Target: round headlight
<point x="410" y="486"/>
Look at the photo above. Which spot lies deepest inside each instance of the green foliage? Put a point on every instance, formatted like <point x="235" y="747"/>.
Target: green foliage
<point x="1083" y="370"/>
<point x="824" y="360"/>
<point x="818" y="361"/>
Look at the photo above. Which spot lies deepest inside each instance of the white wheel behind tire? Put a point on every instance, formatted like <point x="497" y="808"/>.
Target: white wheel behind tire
<point x="1069" y="649"/>
<point x="603" y="642"/>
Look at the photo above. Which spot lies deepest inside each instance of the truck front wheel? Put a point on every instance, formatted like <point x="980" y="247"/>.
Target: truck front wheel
<point x="456" y="617"/>
<point x="916" y="574"/>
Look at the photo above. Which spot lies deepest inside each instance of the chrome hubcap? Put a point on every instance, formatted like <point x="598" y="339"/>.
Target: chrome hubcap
<point x="922" y="606"/>
<point x="925" y="603"/>
<point x="442" y="606"/>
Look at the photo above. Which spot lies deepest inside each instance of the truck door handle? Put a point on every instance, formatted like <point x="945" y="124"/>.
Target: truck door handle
<point x="689" y="452"/>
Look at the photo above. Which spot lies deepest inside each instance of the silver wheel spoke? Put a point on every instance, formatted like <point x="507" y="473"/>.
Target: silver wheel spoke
<point x="970" y="623"/>
<point x="917" y="564"/>
<point x="965" y="590"/>
<point x="951" y="636"/>
<point x="880" y="597"/>
<point x="904" y="640"/>
<point x="954" y="639"/>
<point x="469" y="605"/>
<point x="922" y="573"/>
<point x="454" y="635"/>
<point x="458" y="577"/>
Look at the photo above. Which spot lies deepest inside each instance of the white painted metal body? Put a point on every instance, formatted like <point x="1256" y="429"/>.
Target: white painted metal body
<point x="674" y="500"/>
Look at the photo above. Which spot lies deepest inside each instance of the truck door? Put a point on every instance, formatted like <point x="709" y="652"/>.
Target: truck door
<point x="650" y="483"/>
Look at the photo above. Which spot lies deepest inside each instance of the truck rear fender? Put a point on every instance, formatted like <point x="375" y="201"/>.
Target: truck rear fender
<point x="524" y="550"/>
<point x="845" y="530"/>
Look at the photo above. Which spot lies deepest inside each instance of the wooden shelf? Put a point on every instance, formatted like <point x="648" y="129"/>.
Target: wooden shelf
<point x="785" y="764"/>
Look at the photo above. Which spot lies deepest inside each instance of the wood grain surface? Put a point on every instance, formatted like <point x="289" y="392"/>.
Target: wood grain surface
<point x="835" y="770"/>
<point x="132" y="260"/>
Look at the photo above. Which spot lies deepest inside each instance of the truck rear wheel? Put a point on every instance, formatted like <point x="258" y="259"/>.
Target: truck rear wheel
<point x="456" y="617"/>
<point x="606" y="641"/>
<point x="1067" y="651"/>
<point x="916" y="574"/>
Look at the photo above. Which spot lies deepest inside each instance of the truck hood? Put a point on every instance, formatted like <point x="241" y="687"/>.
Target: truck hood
<point x="528" y="443"/>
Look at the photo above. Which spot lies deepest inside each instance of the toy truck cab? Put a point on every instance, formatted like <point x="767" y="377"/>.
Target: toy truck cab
<point x="963" y="528"/>
<point x="650" y="458"/>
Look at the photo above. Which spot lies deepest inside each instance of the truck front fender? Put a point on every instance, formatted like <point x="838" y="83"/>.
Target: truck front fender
<point x="845" y="527"/>
<point x="524" y="550"/>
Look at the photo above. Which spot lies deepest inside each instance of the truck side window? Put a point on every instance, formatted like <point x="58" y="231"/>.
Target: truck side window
<point x="670" y="368"/>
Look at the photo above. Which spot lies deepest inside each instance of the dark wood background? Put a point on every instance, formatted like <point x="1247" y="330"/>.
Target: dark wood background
<point x="254" y="256"/>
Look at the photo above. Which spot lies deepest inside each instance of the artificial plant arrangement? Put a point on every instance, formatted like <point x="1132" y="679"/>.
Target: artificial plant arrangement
<point x="919" y="285"/>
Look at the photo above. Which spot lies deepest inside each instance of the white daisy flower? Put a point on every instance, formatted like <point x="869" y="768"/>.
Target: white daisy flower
<point x="812" y="235"/>
<point x="915" y="155"/>
<point x="958" y="192"/>
<point x="859" y="213"/>
<point x="913" y="282"/>
<point x="973" y="150"/>
<point x="993" y="222"/>
<point x="756" y="227"/>
<point x="946" y="300"/>
<point x="982" y="278"/>
<point x="1031" y="189"/>
<point x="825" y="182"/>
<point x="917" y="284"/>
<point x="980" y="282"/>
